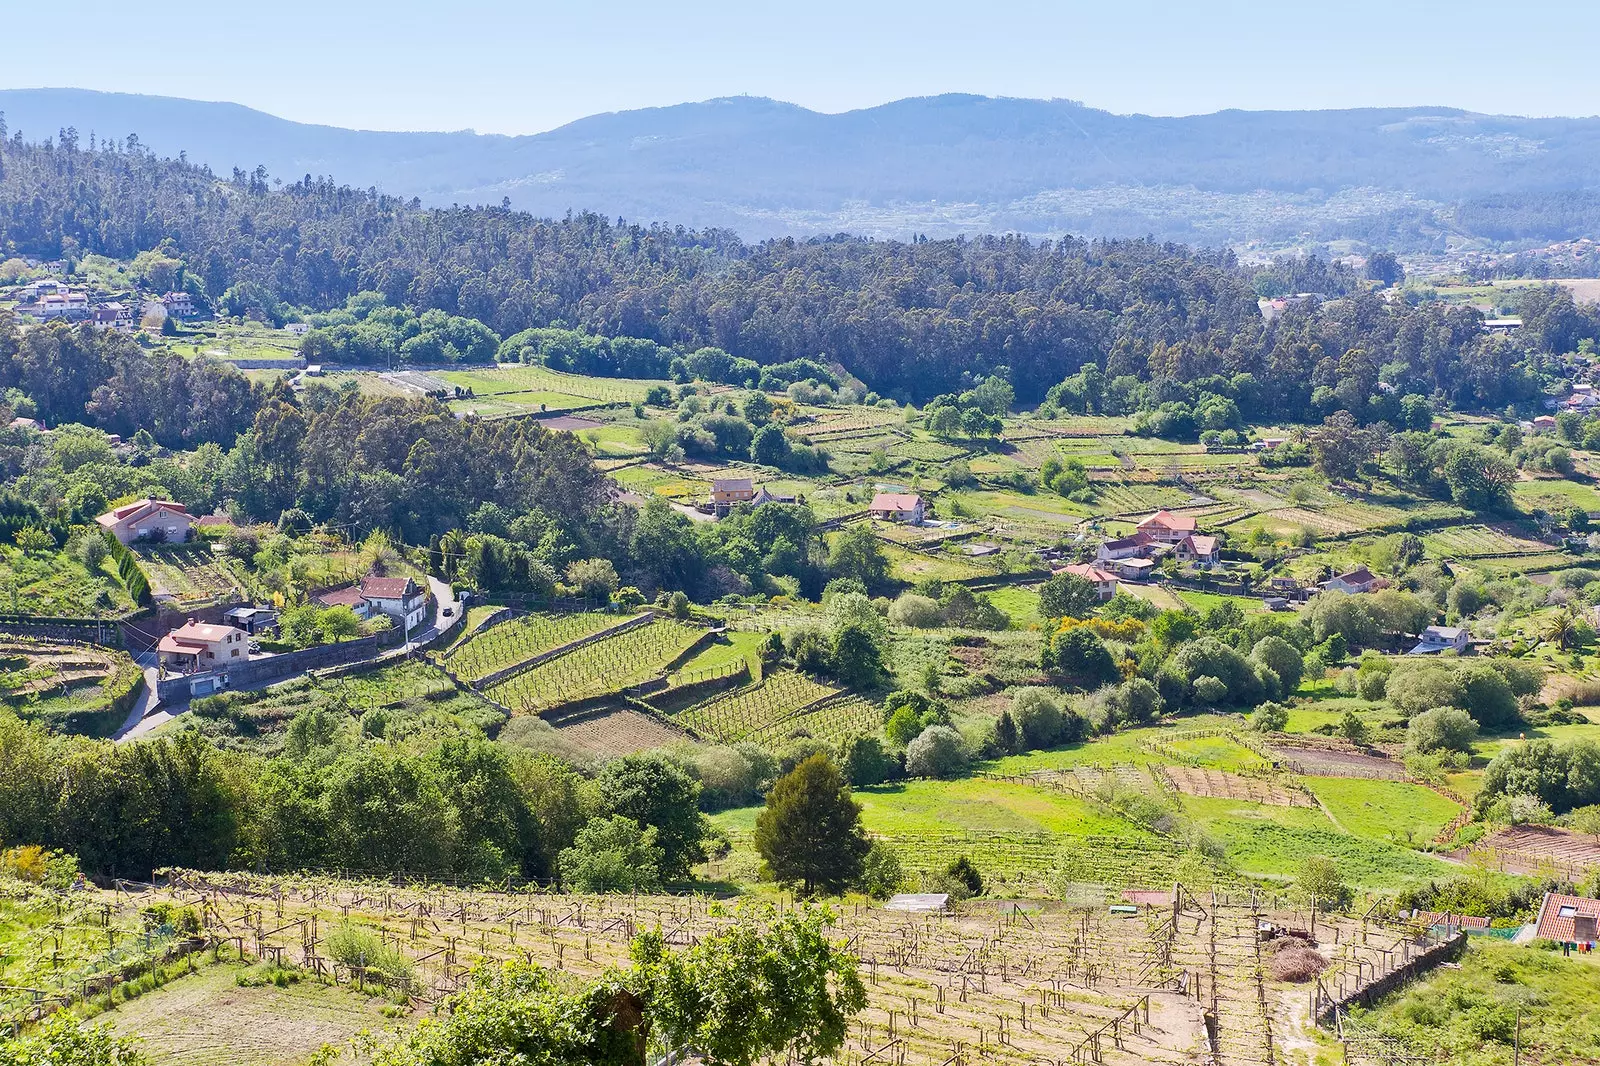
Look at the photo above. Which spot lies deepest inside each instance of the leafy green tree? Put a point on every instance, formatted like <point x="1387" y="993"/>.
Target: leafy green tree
<point x="1353" y="728"/>
<point x="863" y="761"/>
<point x="857" y="658"/>
<point x="1487" y="696"/>
<point x="1441" y="729"/>
<point x="1067" y="596"/>
<point x="937" y="751"/>
<point x="881" y="873"/>
<point x="770" y="446"/>
<point x="658" y="793"/>
<point x="1479" y="479"/>
<point x="1282" y="658"/>
<point x="810" y="831"/>
<point x="1037" y="718"/>
<point x="612" y="855"/>
<point x="858" y="554"/>
<point x="1082" y="659"/>
<point x="518" y="1012"/>
<point x="963" y="872"/>
<point x="1321" y="883"/>
<point x="387" y="811"/>
<point x="747" y="993"/>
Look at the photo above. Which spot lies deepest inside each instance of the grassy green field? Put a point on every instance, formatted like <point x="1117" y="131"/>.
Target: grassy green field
<point x="57" y="585"/>
<point x="1499" y="1004"/>
<point x="1384" y="810"/>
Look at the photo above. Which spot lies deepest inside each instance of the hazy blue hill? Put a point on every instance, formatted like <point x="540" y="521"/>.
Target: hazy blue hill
<point x="930" y="164"/>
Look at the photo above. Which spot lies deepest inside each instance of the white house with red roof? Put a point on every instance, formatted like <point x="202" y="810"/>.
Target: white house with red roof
<point x="898" y="507"/>
<point x="1104" y="581"/>
<point x="1354" y="581"/>
<point x="1199" y="549"/>
<point x="401" y="598"/>
<point x="1164" y="527"/>
<point x="346" y="597"/>
<point x="196" y="646"/>
<point x="1136" y="546"/>
<point x="160" y="520"/>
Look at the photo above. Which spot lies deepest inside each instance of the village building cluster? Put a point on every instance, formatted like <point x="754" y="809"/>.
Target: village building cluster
<point x="52" y="299"/>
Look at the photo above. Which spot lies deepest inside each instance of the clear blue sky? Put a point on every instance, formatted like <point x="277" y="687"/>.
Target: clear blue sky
<point x="509" y="67"/>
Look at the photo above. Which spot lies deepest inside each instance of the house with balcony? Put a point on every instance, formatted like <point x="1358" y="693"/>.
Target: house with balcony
<point x="196" y="646"/>
<point x="1164" y="527"/>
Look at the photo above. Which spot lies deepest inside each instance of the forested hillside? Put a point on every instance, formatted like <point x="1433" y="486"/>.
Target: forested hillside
<point x="911" y="320"/>
<point x="942" y="165"/>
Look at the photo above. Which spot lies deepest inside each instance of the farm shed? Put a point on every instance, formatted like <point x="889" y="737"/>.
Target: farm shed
<point x="919" y="902"/>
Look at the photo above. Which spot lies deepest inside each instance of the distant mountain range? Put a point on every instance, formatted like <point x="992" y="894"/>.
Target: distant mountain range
<point x="1407" y="178"/>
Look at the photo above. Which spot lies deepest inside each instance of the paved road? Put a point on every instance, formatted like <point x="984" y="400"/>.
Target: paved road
<point x="147" y="715"/>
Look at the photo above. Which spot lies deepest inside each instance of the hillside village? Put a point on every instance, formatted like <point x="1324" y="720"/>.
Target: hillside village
<point x="1188" y="702"/>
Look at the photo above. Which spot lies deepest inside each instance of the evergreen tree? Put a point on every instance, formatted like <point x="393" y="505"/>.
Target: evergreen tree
<point x="810" y="833"/>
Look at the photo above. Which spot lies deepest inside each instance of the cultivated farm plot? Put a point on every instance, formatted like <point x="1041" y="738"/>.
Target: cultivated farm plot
<point x="1337" y="762"/>
<point x="1525" y="848"/>
<point x="615" y="731"/>
<point x="1478" y="540"/>
<point x="1139" y="499"/>
<point x="71" y="687"/>
<point x="758" y="709"/>
<point x="926" y="451"/>
<point x="594" y="669"/>
<point x="521" y="639"/>
<point x="1012" y="991"/>
<point x="510" y="380"/>
<point x="188" y="574"/>
<point x="1219" y="784"/>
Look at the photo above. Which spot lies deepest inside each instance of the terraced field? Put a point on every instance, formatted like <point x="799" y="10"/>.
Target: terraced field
<point x="597" y="668"/>
<point x="521" y="639"/>
<point x="754" y="712"/>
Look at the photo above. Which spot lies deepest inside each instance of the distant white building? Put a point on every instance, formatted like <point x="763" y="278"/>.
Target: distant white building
<point x="1436" y="639"/>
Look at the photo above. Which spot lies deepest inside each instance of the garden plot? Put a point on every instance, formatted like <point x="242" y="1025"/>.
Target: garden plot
<point x="615" y="731"/>
<point x="606" y="665"/>
<point x="520" y="639"/>
<point x="649" y="480"/>
<point x="1219" y="784"/>
<point x="1525" y="848"/>
<point x="190" y="575"/>
<point x="57" y="585"/>
<point x="926" y="451"/>
<point x="210" y="1020"/>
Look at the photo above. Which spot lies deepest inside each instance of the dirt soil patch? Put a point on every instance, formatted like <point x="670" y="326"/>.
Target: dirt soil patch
<point x="570" y="423"/>
<point x="1334" y="762"/>
<point x="1524" y="848"/>
<point x="617" y="731"/>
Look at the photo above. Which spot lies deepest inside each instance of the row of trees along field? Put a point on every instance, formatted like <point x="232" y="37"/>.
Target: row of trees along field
<point x="910" y="320"/>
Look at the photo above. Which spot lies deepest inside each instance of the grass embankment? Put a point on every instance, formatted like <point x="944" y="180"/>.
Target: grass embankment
<point x="1469" y="1015"/>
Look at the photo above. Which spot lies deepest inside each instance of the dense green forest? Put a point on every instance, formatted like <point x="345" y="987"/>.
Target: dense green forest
<point x="911" y="320"/>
